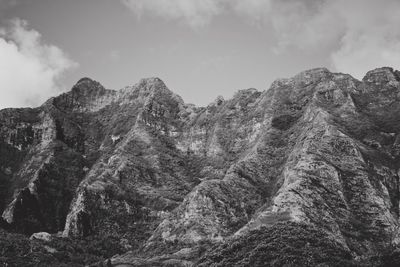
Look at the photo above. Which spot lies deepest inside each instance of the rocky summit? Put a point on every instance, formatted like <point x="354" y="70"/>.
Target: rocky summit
<point x="305" y="173"/>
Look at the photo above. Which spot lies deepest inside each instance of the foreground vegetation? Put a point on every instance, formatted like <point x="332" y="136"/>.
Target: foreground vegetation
<point x="290" y="244"/>
<point x="17" y="250"/>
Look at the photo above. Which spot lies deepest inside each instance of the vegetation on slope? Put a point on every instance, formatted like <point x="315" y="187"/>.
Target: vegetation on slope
<point x="17" y="250"/>
<point x="284" y="244"/>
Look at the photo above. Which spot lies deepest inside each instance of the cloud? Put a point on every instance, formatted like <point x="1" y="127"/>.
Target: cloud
<point x="256" y="11"/>
<point x="355" y="35"/>
<point x="371" y="38"/>
<point x="358" y="35"/>
<point x="304" y="24"/>
<point x="30" y="68"/>
<point x="196" y="13"/>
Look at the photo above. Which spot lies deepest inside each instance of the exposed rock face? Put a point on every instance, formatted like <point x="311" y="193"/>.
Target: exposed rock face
<point x="319" y="150"/>
<point x="40" y="172"/>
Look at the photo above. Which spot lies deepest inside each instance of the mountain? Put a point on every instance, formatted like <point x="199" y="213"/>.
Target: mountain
<point x="305" y="173"/>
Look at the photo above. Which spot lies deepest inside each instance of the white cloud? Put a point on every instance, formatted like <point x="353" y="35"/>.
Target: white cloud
<point x="356" y="35"/>
<point x="29" y="68"/>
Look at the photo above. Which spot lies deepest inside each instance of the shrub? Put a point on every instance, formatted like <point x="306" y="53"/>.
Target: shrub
<point x="284" y="244"/>
<point x="17" y="250"/>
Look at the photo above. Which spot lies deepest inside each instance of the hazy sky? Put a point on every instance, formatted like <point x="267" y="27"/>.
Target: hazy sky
<point x="200" y="48"/>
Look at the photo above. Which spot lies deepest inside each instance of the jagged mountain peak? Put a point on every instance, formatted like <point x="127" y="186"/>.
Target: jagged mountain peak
<point x="248" y="91"/>
<point x="320" y="71"/>
<point x="312" y="75"/>
<point x="87" y="86"/>
<point x="217" y="102"/>
<point x="85" y="80"/>
<point x="85" y="95"/>
<point x="152" y="83"/>
<point x="146" y="85"/>
<point x="306" y="77"/>
<point x="382" y="75"/>
<point x="147" y="88"/>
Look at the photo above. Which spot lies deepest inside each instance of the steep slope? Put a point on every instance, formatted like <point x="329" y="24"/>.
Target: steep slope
<point x="40" y="173"/>
<point x="314" y="157"/>
<point x="318" y="157"/>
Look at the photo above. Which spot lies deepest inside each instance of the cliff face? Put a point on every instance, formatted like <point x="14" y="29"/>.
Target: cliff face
<point x="316" y="155"/>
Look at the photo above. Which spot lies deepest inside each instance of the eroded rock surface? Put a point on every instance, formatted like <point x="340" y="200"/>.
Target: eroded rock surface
<point x="318" y="152"/>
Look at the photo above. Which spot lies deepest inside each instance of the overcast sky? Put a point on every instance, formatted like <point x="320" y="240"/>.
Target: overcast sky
<point x="200" y="48"/>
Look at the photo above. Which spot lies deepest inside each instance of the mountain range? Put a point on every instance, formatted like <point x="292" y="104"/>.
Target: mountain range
<point x="305" y="173"/>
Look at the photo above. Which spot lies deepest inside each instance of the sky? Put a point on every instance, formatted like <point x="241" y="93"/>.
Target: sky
<point x="200" y="48"/>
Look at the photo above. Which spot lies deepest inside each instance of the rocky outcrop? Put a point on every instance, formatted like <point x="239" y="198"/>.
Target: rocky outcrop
<point x="317" y="153"/>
